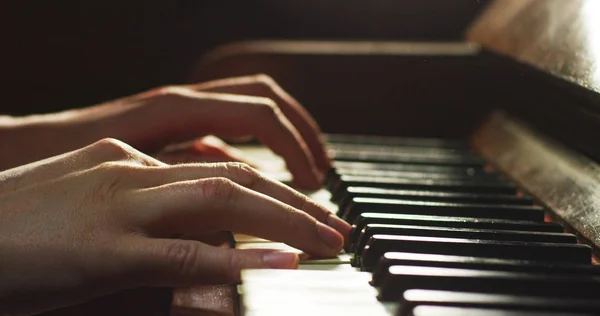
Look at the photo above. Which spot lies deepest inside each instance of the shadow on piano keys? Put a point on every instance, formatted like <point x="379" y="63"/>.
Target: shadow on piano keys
<point x="420" y="246"/>
<point x="437" y="231"/>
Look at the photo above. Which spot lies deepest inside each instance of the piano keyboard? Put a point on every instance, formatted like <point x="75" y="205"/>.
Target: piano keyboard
<point x="435" y="232"/>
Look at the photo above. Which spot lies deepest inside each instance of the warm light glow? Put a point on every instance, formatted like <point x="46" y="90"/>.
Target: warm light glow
<point x="590" y="13"/>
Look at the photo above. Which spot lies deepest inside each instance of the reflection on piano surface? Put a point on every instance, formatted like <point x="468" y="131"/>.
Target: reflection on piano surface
<point x="498" y="215"/>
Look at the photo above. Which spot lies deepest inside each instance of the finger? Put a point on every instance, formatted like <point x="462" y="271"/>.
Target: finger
<point x="201" y="150"/>
<point x="213" y="146"/>
<point x="250" y="178"/>
<point x="183" y="156"/>
<point x="218" y="203"/>
<point x="174" y="262"/>
<point x="264" y="86"/>
<point x="220" y="238"/>
<point x="110" y="149"/>
<point x="230" y="115"/>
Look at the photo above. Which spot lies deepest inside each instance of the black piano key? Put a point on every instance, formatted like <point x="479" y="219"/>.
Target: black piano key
<point x="457" y="144"/>
<point x="359" y="205"/>
<point x="392" y="150"/>
<point x="477" y="263"/>
<point x="410" y="155"/>
<point x="411" y="174"/>
<point x="446" y="221"/>
<point x="548" y="252"/>
<point x="412" y="298"/>
<point x="335" y="178"/>
<point x="404" y="170"/>
<point x="422" y="184"/>
<point x="432" y="196"/>
<point x="466" y="233"/>
<point x="453" y="170"/>
<point x="426" y="310"/>
<point x="402" y="278"/>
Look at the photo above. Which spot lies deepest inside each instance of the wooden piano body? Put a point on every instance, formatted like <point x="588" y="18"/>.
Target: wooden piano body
<point x="523" y="86"/>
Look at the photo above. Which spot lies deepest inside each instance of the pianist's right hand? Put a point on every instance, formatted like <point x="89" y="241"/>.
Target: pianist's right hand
<point x="103" y="218"/>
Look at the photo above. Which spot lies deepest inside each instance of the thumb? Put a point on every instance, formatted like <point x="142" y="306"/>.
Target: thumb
<point x="205" y="149"/>
<point x="176" y="262"/>
<point x="212" y="145"/>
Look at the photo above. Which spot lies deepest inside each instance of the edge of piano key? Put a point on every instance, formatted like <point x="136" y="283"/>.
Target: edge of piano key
<point x="277" y="291"/>
<point x="304" y="258"/>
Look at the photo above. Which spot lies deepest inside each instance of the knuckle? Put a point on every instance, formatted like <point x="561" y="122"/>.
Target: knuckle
<point x="169" y="94"/>
<point x="234" y="265"/>
<point x="305" y="205"/>
<point x="264" y="84"/>
<point x="113" y="148"/>
<point x="169" y="91"/>
<point x="182" y="257"/>
<point x="264" y="79"/>
<point x="111" y="180"/>
<point x="116" y="175"/>
<point x="293" y="218"/>
<point x="242" y="173"/>
<point x="218" y="190"/>
<point x="266" y="107"/>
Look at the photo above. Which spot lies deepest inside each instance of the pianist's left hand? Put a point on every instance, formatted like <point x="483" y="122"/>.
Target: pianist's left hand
<point x="235" y="108"/>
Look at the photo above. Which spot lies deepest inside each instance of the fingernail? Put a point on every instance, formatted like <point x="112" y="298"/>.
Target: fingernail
<point x="331" y="237"/>
<point x="339" y="224"/>
<point x="281" y="260"/>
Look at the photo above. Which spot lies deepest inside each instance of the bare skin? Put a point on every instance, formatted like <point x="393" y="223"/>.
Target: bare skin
<point x="104" y="217"/>
<point x="233" y="108"/>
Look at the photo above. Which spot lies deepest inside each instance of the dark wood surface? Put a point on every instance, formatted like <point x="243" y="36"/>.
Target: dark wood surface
<point x="205" y="301"/>
<point x="142" y="301"/>
<point x="77" y="53"/>
<point x="541" y="61"/>
<point x="557" y="36"/>
<point x="560" y="178"/>
<point x="385" y="88"/>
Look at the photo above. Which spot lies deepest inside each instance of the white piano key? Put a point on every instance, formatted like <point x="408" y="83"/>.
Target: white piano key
<point x="324" y="278"/>
<point x="343" y="258"/>
<point x="272" y="245"/>
<point x="242" y="238"/>
<point x="265" y="298"/>
<point x="304" y="258"/>
<point x="298" y="292"/>
<point x="320" y="286"/>
<point x="328" y="267"/>
<point x="323" y="197"/>
<point x="321" y="310"/>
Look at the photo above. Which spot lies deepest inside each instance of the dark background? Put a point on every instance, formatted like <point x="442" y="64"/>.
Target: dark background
<point x="64" y="54"/>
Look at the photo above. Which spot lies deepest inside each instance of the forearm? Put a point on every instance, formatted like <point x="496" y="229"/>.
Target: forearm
<point x="30" y="138"/>
<point x="8" y="125"/>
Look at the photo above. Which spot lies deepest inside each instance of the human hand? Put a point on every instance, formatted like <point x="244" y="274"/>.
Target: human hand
<point x="238" y="108"/>
<point x="101" y="219"/>
<point x="205" y="149"/>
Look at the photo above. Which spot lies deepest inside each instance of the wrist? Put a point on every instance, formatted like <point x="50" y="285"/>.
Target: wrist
<point x="26" y="139"/>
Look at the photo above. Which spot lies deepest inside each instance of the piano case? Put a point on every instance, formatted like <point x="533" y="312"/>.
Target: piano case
<point x="523" y="89"/>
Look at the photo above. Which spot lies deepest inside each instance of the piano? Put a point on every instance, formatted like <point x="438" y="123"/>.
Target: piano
<point x="468" y="170"/>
